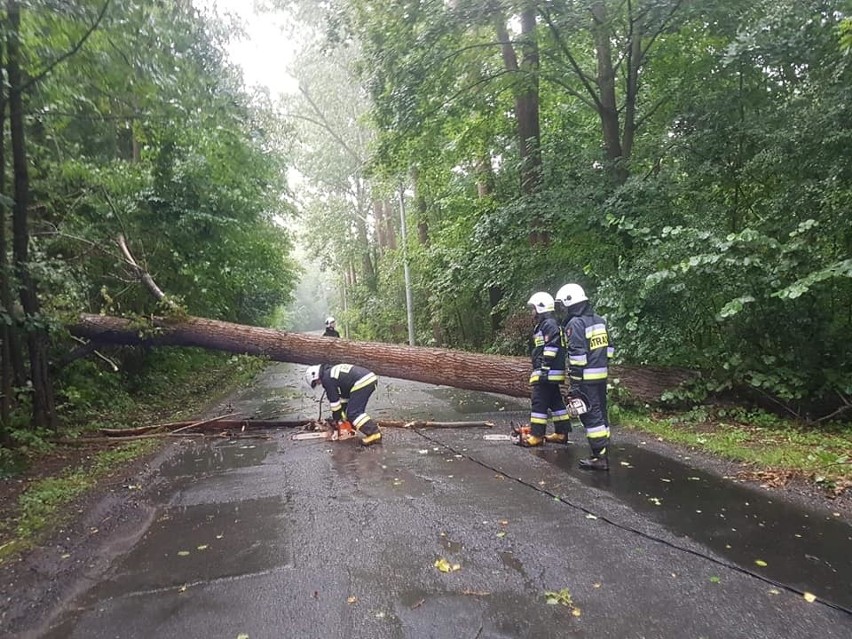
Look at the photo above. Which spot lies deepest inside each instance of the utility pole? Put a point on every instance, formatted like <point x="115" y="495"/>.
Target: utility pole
<point x="409" y="305"/>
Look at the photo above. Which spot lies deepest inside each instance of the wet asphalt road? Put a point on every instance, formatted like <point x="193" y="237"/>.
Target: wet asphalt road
<point x="280" y="538"/>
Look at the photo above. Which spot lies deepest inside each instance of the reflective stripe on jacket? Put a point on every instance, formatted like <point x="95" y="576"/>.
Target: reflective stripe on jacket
<point x="547" y="351"/>
<point x="341" y="380"/>
<point x="589" y="347"/>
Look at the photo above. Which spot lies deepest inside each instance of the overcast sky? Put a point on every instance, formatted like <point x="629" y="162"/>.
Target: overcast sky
<point x="265" y="52"/>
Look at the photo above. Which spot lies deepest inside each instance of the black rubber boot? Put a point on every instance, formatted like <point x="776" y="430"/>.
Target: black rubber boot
<point x="595" y="463"/>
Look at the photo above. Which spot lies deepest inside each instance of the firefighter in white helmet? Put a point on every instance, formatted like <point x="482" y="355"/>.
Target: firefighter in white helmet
<point x="330" y="330"/>
<point x="548" y="371"/>
<point x="348" y="389"/>
<point x="589" y="351"/>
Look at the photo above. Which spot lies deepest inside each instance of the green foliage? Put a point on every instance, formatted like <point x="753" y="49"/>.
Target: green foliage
<point x="719" y="241"/>
<point x="147" y="132"/>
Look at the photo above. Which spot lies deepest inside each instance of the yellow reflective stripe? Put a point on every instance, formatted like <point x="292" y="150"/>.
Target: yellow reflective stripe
<point x="336" y="405"/>
<point x="539" y="340"/>
<point x="538" y="420"/>
<point x="340" y="368"/>
<point x="594" y="373"/>
<point x="577" y="360"/>
<point x="556" y="377"/>
<point x="559" y="417"/>
<point x="595" y="329"/>
<point x="365" y="381"/>
<point x="361" y="420"/>
<point x="610" y="351"/>
<point x="597" y="432"/>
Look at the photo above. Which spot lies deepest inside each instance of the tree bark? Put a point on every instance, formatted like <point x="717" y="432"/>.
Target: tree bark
<point x="608" y="109"/>
<point x="421" y="208"/>
<point x="471" y="371"/>
<point x="43" y="406"/>
<point x="5" y="289"/>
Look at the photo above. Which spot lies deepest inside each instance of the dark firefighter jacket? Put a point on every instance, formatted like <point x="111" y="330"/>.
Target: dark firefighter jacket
<point x="589" y="346"/>
<point x="340" y="381"/>
<point x="547" y="351"/>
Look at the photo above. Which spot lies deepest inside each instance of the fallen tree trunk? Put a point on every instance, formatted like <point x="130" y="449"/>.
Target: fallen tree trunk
<point x="471" y="371"/>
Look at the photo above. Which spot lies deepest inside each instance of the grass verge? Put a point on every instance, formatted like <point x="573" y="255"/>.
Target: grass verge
<point x="769" y="444"/>
<point x="54" y="477"/>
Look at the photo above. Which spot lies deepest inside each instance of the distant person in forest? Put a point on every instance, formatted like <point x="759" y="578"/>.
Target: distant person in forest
<point x="589" y="350"/>
<point x="330" y="331"/>
<point x="348" y="389"/>
<point x="548" y="372"/>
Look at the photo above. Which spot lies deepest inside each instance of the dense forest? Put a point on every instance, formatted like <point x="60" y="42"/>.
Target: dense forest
<point x="686" y="162"/>
<point x="123" y="121"/>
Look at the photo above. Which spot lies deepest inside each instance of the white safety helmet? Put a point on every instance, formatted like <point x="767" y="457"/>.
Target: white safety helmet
<point x="571" y="294"/>
<point x="312" y="375"/>
<point x="542" y="302"/>
<point x="329" y="321"/>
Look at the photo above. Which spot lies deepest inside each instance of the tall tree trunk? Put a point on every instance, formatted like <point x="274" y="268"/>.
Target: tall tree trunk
<point x="5" y="290"/>
<point x="390" y="230"/>
<point x="43" y="406"/>
<point x="526" y="105"/>
<point x="378" y="214"/>
<point x="5" y="297"/>
<point x="484" y="185"/>
<point x="608" y="108"/>
<point x="369" y="272"/>
<point x="421" y="208"/>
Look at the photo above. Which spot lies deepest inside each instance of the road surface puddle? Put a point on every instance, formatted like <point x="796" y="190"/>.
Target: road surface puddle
<point x="202" y="543"/>
<point x="776" y="539"/>
<point x="202" y="458"/>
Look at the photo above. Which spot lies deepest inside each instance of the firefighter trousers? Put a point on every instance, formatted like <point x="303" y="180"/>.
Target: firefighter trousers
<point x="595" y="420"/>
<point x="356" y="410"/>
<point x="546" y="396"/>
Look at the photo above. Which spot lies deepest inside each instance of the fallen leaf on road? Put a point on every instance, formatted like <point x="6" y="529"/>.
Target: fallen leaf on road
<point x="183" y="553"/>
<point x="503" y="522"/>
<point x="202" y="547"/>
<point x="714" y="579"/>
<point x="596" y="585"/>
<point x="182" y="588"/>
<point x="242" y="636"/>
<point x="666" y="480"/>
<point x="774" y="591"/>
<point x="590" y="516"/>
<point x="66" y="555"/>
<point x="655" y="500"/>
<point x="445" y="566"/>
<point x="809" y="597"/>
<point x="760" y="563"/>
<point x="351" y="599"/>
<point x="501" y="533"/>
<point x="562" y="598"/>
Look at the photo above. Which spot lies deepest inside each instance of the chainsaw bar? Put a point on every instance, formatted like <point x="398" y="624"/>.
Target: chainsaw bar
<point x="333" y="437"/>
<point x="303" y="436"/>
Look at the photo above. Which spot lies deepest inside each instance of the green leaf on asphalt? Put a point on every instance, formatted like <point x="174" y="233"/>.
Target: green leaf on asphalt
<point x="714" y="579"/>
<point x="760" y="563"/>
<point x="183" y="553"/>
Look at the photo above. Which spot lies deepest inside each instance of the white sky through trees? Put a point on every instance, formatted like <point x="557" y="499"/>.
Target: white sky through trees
<point x="265" y="49"/>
